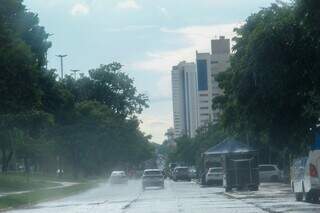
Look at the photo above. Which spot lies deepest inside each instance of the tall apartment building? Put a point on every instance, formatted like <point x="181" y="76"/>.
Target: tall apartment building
<point x="208" y="65"/>
<point x="184" y="98"/>
<point x="170" y="142"/>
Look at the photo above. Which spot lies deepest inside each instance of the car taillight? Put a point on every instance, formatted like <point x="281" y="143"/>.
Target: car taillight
<point x="313" y="170"/>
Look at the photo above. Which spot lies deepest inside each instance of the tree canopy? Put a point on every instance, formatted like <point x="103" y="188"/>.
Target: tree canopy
<point x="271" y="90"/>
<point x="87" y="125"/>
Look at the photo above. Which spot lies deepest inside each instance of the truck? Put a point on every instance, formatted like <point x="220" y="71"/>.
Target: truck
<point x="239" y="163"/>
<point x="241" y="171"/>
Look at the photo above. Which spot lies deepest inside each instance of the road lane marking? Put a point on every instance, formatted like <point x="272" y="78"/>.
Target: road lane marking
<point x="125" y="207"/>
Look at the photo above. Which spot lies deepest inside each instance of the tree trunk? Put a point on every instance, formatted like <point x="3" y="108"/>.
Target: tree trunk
<point x="75" y="165"/>
<point x="6" y="158"/>
<point x="75" y="170"/>
<point x="26" y="165"/>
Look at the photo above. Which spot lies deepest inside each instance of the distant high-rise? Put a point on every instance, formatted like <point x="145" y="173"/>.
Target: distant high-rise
<point x="208" y="65"/>
<point x="170" y="142"/>
<point x="204" y="88"/>
<point x="220" y="46"/>
<point x="184" y="98"/>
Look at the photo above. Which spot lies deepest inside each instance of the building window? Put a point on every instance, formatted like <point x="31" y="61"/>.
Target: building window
<point x="202" y="71"/>
<point x="204" y="107"/>
<point x="205" y="121"/>
<point x="204" y="114"/>
<point x="204" y="95"/>
<point x="204" y="101"/>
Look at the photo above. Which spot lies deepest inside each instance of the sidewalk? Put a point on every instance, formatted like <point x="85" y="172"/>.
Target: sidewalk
<point x="265" y="190"/>
<point x="274" y="197"/>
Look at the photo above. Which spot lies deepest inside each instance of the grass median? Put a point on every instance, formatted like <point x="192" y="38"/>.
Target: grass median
<point x="40" y="195"/>
<point x="16" y="182"/>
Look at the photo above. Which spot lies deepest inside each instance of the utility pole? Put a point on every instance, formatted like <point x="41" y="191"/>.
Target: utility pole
<point x="61" y="63"/>
<point x="49" y="34"/>
<point x="75" y="73"/>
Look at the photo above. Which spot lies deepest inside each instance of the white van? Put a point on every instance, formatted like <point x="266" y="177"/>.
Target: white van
<point x="305" y="179"/>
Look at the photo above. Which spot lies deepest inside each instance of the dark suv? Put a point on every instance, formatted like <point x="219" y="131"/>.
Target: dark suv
<point x="181" y="173"/>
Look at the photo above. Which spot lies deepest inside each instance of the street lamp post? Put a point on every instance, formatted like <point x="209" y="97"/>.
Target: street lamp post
<point x="61" y="63"/>
<point x="49" y="34"/>
<point x="75" y="73"/>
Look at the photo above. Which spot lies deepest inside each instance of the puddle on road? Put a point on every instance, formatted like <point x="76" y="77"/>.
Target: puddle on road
<point x="127" y="202"/>
<point x="68" y="205"/>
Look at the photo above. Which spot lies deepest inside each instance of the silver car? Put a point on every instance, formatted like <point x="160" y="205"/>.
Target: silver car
<point x="151" y="178"/>
<point x="118" y="177"/>
<point x="270" y="173"/>
<point x="214" y="176"/>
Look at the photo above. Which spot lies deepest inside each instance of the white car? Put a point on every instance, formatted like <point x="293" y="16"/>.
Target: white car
<point x="214" y="175"/>
<point x="305" y="179"/>
<point x="152" y="178"/>
<point x="270" y="173"/>
<point x="118" y="177"/>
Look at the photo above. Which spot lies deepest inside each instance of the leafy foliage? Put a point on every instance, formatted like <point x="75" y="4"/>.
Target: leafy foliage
<point x="108" y="85"/>
<point x="271" y="91"/>
<point x="189" y="150"/>
<point x="86" y="126"/>
<point x="23" y="45"/>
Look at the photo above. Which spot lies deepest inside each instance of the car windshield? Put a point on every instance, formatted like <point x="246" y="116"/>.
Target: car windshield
<point x="159" y="106"/>
<point x="217" y="170"/>
<point x="267" y="168"/>
<point x="152" y="172"/>
<point x="118" y="173"/>
<point x="181" y="169"/>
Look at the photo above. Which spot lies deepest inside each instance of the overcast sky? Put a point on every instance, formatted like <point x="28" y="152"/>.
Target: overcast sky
<point x="147" y="36"/>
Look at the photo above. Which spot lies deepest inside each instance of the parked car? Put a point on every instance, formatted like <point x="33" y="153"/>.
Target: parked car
<point x="118" y="177"/>
<point x="270" y="173"/>
<point x="152" y="177"/>
<point x="181" y="173"/>
<point x="193" y="173"/>
<point x="214" y="176"/>
<point x="305" y="179"/>
<point x="171" y="168"/>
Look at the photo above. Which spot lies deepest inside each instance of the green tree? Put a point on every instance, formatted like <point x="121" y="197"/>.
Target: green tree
<point x="98" y="129"/>
<point x="271" y="91"/>
<point x="99" y="139"/>
<point x="90" y="122"/>
<point x="110" y="86"/>
<point x="189" y="150"/>
<point x="20" y="134"/>
<point x="23" y="45"/>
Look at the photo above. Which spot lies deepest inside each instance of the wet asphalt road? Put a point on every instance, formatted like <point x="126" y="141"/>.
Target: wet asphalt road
<point x="177" y="197"/>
